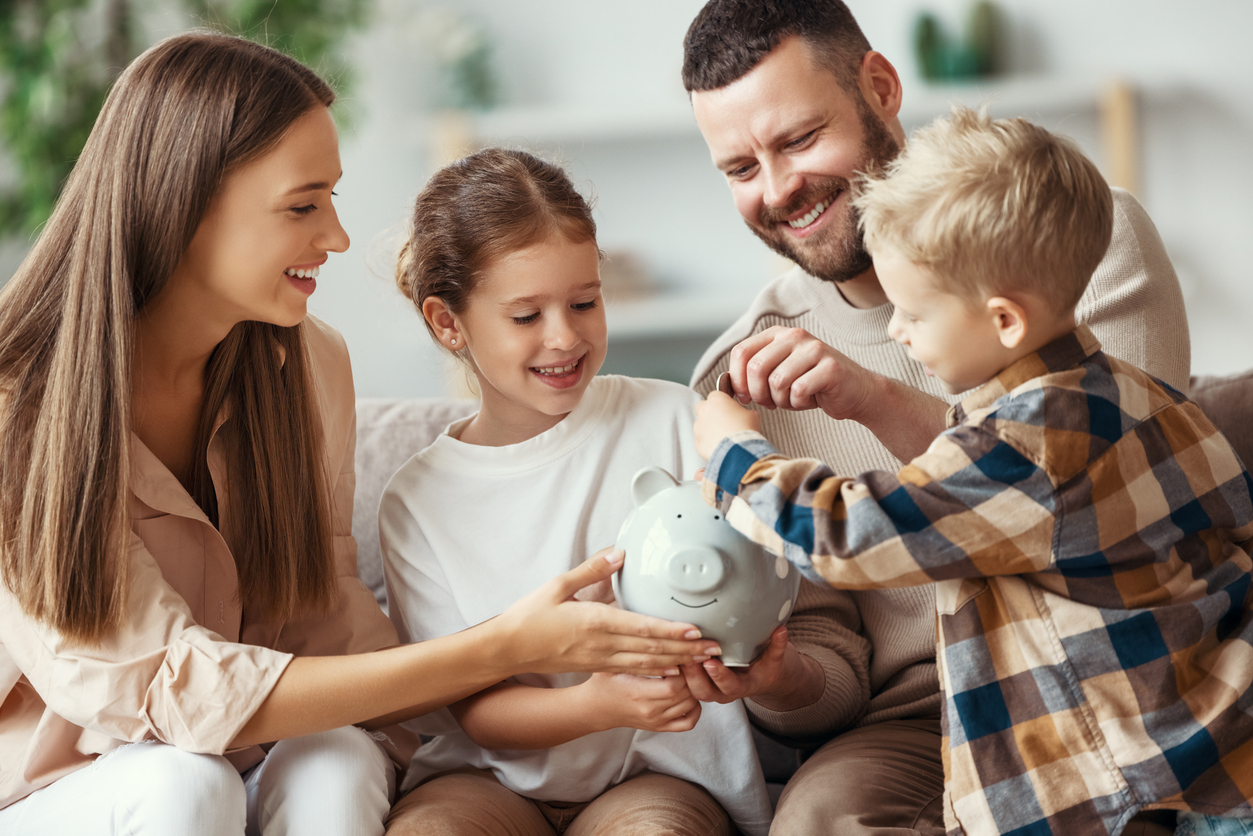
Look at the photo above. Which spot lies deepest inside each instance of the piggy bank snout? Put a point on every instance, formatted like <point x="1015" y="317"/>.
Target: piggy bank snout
<point x="696" y="569"/>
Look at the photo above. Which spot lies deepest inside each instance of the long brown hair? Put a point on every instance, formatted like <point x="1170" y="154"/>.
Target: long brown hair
<point x="473" y="211"/>
<point x="179" y="119"/>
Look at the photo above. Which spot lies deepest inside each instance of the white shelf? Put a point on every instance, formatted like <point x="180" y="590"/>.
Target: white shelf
<point x="1013" y="96"/>
<point x="694" y="313"/>
<point x="672" y="315"/>
<point x="565" y="123"/>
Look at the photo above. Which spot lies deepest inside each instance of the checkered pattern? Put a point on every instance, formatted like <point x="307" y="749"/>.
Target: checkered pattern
<point x="1088" y="531"/>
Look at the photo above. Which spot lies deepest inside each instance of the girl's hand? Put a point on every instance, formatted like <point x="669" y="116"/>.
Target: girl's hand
<point x="717" y="417"/>
<point x="548" y="631"/>
<point x="626" y="701"/>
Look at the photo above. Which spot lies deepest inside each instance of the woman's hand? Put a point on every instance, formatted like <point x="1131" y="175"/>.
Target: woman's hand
<point x="548" y="631"/>
<point x="619" y="700"/>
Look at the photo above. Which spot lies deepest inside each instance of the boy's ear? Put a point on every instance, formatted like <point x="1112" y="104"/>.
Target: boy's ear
<point x="443" y="323"/>
<point x="1010" y="320"/>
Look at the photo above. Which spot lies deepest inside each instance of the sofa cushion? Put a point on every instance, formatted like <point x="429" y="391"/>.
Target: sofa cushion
<point x="1228" y="402"/>
<point x="389" y="432"/>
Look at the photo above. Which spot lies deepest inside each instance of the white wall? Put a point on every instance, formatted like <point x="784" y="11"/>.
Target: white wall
<point x="662" y="198"/>
<point x="1191" y="61"/>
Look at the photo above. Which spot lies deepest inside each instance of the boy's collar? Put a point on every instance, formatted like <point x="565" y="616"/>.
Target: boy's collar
<point x="1063" y="353"/>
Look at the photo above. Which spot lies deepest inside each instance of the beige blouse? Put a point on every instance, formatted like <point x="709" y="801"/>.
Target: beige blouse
<point x="188" y="667"/>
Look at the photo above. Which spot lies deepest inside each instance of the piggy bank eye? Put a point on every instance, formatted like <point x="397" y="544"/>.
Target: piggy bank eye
<point x="679" y="517"/>
<point x="716" y="517"/>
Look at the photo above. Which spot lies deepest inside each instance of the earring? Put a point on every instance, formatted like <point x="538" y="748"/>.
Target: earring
<point x="453" y="341"/>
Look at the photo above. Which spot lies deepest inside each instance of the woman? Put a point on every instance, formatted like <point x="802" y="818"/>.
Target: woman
<point x="176" y="452"/>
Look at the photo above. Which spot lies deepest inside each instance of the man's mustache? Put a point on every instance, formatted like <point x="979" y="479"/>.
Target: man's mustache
<point x="770" y="216"/>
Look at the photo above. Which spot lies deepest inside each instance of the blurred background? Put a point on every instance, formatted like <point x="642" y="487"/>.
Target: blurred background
<point x="1159" y="93"/>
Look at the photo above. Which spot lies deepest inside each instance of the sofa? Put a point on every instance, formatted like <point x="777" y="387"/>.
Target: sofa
<point x="389" y="431"/>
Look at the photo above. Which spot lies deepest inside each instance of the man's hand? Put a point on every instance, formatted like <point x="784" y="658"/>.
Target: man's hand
<point x="781" y="679"/>
<point x="789" y="368"/>
<point x="718" y="417"/>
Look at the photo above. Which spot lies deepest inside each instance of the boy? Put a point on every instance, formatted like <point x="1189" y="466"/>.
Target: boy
<point x="1087" y="528"/>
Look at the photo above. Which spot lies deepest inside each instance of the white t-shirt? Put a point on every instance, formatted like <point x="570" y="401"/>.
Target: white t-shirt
<point x="466" y="530"/>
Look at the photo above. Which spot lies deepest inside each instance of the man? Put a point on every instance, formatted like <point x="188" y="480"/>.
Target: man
<point x="792" y="103"/>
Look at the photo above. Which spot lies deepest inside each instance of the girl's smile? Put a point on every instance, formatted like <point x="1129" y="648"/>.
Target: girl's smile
<point x="534" y="334"/>
<point x="561" y="377"/>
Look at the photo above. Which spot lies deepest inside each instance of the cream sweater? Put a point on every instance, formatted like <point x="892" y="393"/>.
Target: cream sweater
<point x="877" y="648"/>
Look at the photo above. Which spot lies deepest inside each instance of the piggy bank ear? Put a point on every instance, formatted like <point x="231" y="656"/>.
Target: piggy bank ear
<point x="648" y="483"/>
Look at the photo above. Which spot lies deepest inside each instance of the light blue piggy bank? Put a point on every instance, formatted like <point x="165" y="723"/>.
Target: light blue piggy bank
<point x="684" y="562"/>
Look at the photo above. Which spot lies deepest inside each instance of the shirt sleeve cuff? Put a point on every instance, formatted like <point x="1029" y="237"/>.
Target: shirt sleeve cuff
<point x="207" y="690"/>
<point x="730" y="461"/>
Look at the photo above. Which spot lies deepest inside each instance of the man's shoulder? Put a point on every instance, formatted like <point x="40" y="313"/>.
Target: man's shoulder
<point x="1135" y="245"/>
<point x="783" y="298"/>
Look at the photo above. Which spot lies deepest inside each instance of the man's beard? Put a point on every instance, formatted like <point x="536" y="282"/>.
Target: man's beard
<point x="837" y="252"/>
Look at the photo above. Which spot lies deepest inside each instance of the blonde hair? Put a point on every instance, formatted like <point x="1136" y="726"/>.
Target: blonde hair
<point x="991" y="207"/>
<point x="179" y="119"/>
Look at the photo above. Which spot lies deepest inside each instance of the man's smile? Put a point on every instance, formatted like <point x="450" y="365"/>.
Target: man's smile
<point x="813" y="214"/>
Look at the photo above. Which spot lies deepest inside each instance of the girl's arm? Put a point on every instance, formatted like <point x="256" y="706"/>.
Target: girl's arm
<point x="513" y="716"/>
<point x="544" y="632"/>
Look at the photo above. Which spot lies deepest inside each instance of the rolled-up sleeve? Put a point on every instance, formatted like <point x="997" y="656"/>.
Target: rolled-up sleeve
<point x="159" y="676"/>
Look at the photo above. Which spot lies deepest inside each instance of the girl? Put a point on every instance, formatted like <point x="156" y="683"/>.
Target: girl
<point x="503" y="265"/>
<point x="176" y="453"/>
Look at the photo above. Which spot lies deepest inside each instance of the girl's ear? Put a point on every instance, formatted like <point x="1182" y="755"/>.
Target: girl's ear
<point x="443" y="323"/>
<point x="1009" y="318"/>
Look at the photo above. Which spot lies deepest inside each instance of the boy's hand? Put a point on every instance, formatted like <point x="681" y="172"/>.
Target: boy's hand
<point x="717" y="417"/>
<point x="623" y="700"/>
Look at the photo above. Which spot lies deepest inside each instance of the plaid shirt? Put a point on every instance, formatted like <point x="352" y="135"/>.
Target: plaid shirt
<point x="1088" y="531"/>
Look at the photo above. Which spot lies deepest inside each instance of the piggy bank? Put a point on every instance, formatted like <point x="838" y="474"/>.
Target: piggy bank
<point x="684" y="562"/>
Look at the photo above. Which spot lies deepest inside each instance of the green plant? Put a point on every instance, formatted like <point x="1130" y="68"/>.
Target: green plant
<point x="941" y="58"/>
<point x="59" y="57"/>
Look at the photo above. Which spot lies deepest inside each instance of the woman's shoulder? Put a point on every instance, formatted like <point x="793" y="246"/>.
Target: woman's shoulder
<point x="330" y="373"/>
<point x="326" y="345"/>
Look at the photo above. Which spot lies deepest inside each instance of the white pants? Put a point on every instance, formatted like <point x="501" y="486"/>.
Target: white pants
<point x="336" y="782"/>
